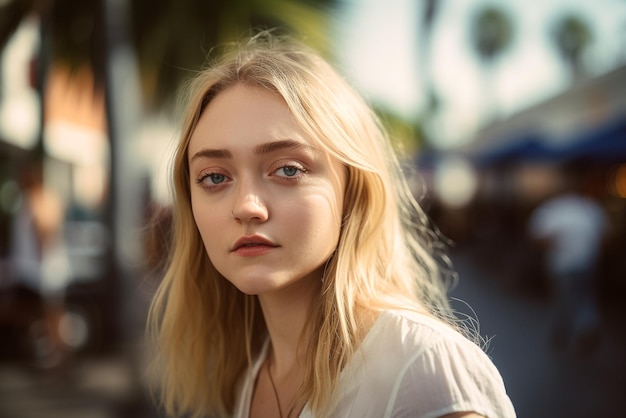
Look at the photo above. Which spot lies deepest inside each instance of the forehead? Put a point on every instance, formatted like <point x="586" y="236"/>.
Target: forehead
<point x="244" y="115"/>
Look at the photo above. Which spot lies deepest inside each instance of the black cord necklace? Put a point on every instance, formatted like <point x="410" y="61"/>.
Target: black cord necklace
<point x="280" y="411"/>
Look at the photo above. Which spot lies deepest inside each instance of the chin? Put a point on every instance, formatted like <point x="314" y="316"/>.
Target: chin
<point x="255" y="287"/>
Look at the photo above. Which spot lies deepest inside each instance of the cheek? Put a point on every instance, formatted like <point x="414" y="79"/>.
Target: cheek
<point x="320" y="220"/>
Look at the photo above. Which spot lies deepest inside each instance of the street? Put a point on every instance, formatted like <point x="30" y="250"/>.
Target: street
<point x="541" y="381"/>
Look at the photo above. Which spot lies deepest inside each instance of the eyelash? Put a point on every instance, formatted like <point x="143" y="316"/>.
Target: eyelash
<point x="210" y="186"/>
<point x="295" y="178"/>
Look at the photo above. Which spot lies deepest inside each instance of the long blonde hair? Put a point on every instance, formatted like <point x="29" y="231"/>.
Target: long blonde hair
<point x="206" y="331"/>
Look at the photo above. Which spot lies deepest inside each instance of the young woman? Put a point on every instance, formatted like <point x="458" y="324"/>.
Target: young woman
<point x="302" y="279"/>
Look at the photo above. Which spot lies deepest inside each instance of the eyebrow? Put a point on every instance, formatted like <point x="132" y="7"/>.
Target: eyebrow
<point x="261" y="149"/>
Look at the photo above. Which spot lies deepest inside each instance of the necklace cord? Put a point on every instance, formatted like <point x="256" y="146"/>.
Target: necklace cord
<point x="269" y="373"/>
<point x="280" y="411"/>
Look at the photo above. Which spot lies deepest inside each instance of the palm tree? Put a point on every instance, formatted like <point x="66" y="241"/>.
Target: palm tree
<point x="571" y="36"/>
<point x="173" y="38"/>
<point x="429" y="11"/>
<point x="491" y="34"/>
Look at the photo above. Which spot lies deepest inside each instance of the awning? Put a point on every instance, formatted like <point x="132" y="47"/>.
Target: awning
<point x="605" y="144"/>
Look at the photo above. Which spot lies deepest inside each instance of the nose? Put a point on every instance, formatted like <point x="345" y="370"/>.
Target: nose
<point x="249" y="206"/>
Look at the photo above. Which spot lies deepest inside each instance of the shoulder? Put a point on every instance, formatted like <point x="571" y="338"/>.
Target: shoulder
<point x="425" y="344"/>
<point x="428" y="366"/>
<point x="419" y="333"/>
<point x="436" y="353"/>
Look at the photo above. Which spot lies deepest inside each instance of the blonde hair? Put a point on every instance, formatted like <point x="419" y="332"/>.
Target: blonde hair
<point x="206" y="331"/>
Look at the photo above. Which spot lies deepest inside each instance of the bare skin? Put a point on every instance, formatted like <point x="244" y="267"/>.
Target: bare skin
<point x="285" y="314"/>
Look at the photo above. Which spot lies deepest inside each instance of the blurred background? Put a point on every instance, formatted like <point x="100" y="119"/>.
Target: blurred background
<point x="509" y="115"/>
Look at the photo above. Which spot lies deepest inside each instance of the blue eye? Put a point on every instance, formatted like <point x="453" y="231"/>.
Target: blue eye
<point x="289" y="171"/>
<point x="216" y="178"/>
<point x="211" y="180"/>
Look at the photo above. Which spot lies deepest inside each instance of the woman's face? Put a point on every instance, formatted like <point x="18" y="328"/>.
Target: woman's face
<point x="267" y="203"/>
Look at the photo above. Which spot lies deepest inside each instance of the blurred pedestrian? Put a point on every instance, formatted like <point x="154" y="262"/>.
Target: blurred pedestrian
<point x="571" y="228"/>
<point x="39" y="261"/>
<point x="303" y="280"/>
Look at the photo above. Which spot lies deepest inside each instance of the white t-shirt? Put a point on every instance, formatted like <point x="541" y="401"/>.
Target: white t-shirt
<point x="576" y="225"/>
<point x="409" y="365"/>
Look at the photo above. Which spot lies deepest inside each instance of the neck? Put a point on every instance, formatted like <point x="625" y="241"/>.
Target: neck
<point x="288" y="388"/>
<point x="285" y="313"/>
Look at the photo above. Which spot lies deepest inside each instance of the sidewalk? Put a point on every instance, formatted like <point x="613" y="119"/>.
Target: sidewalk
<point x="94" y="388"/>
<point x="541" y="381"/>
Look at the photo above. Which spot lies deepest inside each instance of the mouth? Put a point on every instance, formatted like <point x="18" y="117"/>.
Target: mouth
<point x="250" y="243"/>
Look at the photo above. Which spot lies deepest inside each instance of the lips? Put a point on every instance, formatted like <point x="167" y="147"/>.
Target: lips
<point x="253" y="245"/>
